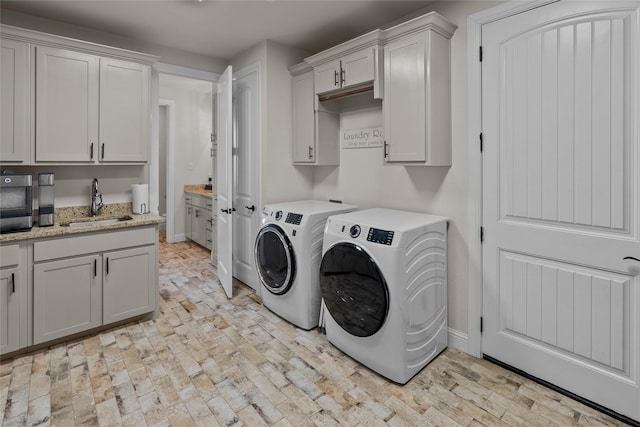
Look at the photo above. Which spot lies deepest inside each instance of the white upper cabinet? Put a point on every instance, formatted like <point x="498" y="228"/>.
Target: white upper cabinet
<point x="351" y="70"/>
<point x="315" y="133"/>
<point x="14" y="95"/>
<point x="124" y="111"/>
<point x="417" y="92"/>
<point x="349" y="65"/>
<point x="66" y="105"/>
<point x="91" y="102"/>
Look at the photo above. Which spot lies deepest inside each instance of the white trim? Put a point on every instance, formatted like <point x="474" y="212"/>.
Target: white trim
<point x="180" y="237"/>
<point x="474" y="159"/>
<point x="170" y="170"/>
<point x="178" y="70"/>
<point x="458" y="340"/>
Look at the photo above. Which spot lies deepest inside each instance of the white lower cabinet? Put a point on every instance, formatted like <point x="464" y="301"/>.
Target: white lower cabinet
<point x="13" y="282"/>
<point x="83" y="282"/>
<point x="67" y="297"/>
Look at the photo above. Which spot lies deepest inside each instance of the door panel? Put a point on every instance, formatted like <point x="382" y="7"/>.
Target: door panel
<point x="225" y="181"/>
<point x="560" y="198"/>
<point x="246" y="169"/>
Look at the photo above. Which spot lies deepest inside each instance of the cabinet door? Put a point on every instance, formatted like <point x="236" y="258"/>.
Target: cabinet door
<point x="14" y="95"/>
<point x="9" y="310"/>
<point x="67" y="297"/>
<point x="124" y="111"/>
<point x="358" y="67"/>
<point x="189" y="222"/>
<point x="199" y="225"/>
<point x="327" y="77"/>
<point x="303" y="119"/>
<point x="129" y="287"/>
<point x="66" y="105"/>
<point x="404" y="98"/>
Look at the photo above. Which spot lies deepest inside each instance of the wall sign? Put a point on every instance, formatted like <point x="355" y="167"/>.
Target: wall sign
<point x="362" y="138"/>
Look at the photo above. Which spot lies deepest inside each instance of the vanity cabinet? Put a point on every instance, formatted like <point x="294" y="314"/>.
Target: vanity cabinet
<point x="13" y="284"/>
<point x="90" y="109"/>
<point x="83" y="282"/>
<point x="417" y="92"/>
<point x="14" y="95"/>
<point x="200" y="220"/>
<point x="315" y="132"/>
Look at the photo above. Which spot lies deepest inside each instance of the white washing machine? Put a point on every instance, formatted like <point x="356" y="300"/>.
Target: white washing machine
<point x="383" y="279"/>
<point x="288" y="252"/>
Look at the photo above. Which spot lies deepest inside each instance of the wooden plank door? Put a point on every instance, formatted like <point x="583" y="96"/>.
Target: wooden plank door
<point x="560" y="198"/>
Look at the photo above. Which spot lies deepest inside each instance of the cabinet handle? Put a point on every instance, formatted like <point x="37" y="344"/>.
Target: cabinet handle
<point x="197" y="213"/>
<point x="343" y="76"/>
<point x="107" y="265"/>
<point x="188" y="211"/>
<point x="386" y="149"/>
<point x="102" y="151"/>
<point x="335" y="78"/>
<point x="631" y="257"/>
<point x="95" y="268"/>
<point x="252" y="208"/>
<point x="13" y="283"/>
<point x="310" y="152"/>
<point x="91" y="151"/>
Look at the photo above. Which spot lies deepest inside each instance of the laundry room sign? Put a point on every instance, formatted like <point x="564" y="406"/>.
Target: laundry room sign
<point x="362" y="138"/>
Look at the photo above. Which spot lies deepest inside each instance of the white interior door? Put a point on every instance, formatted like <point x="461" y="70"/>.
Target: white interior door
<point x="560" y="198"/>
<point x="246" y="173"/>
<point x="224" y="180"/>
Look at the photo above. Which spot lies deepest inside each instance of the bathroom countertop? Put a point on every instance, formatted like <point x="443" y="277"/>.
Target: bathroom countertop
<point x="79" y="213"/>
<point x="197" y="189"/>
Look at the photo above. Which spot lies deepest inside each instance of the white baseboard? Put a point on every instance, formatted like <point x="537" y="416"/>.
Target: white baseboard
<point x="458" y="340"/>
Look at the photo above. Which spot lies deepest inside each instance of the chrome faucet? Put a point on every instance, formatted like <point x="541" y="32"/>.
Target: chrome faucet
<point x="96" y="198"/>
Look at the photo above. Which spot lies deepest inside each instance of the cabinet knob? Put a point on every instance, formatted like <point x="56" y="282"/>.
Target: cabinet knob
<point x="310" y="152"/>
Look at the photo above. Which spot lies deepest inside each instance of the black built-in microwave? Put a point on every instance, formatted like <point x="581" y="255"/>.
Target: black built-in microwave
<point x="16" y="202"/>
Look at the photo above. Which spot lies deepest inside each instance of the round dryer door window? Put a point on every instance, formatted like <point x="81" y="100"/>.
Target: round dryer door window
<point x="354" y="289"/>
<point x="275" y="260"/>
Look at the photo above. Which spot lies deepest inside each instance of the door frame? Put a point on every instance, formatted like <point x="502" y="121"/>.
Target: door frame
<point x="257" y="153"/>
<point x="474" y="159"/>
<point x="154" y="158"/>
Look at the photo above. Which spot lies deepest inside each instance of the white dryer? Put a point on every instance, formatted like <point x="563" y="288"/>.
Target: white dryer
<point x="288" y="251"/>
<point x="383" y="279"/>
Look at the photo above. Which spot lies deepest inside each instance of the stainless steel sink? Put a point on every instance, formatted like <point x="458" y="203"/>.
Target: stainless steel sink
<point x="91" y="222"/>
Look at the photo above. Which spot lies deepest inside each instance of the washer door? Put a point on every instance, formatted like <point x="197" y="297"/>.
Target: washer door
<point x="354" y="289"/>
<point x="275" y="260"/>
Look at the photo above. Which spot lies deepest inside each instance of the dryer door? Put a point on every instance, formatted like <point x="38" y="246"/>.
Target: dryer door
<point x="354" y="289"/>
<point x="275" y="259"/>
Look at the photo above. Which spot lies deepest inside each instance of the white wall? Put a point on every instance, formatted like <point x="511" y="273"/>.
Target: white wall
<point x="280" y="180"/>
<point x="73" y="183"/>
<point x="364" y="180"/>
<point x="192" y="161"/>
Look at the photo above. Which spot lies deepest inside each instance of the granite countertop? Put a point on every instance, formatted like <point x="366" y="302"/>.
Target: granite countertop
<point x="82" y="213"/>
<point x="197" y="189"/>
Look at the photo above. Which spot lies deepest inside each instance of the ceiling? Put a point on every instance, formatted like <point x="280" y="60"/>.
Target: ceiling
<point x="225" y="28"/>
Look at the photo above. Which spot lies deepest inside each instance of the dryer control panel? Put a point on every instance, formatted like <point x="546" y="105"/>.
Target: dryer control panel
<point x="380" y="236"/>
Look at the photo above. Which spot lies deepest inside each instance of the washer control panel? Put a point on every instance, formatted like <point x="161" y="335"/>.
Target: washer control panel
<point x="293" y="218"/>
<point x="278" y="215"/>
<point x="380" y="236"/>
<point x="354" y="231"/>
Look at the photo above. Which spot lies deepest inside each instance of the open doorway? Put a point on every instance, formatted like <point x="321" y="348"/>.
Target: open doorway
<point x="184" y="145"/>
